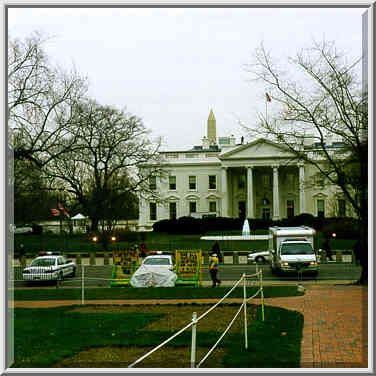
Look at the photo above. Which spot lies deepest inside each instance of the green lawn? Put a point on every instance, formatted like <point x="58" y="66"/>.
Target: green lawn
<point x="149" y="293"/>
<point x="154" y="241"/>
<point x="45" y="336"/>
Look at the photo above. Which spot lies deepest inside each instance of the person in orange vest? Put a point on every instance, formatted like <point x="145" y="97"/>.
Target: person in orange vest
<point x="213" y="269"/>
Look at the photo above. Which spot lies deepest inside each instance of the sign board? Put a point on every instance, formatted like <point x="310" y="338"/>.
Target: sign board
<point x="125" y="264"/>
<point x="188" y="267"/>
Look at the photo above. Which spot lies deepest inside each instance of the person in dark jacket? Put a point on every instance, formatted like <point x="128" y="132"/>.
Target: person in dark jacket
<point x="327" y="249"/>
<point x="216" y="250"/>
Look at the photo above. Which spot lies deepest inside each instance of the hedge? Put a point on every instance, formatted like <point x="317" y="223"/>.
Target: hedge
<point x="345" y="227"/>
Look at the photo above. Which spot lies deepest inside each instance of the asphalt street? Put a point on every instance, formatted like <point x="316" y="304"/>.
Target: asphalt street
<point x="99" y="276"/>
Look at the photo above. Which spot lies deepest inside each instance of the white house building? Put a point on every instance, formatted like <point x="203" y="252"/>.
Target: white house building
<point x="260" y="179"/>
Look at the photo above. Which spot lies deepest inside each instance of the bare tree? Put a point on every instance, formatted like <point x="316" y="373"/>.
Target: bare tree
<point x="41" y="100"/>
<point x="101" y="171"/>
<point x="318" y="95"/>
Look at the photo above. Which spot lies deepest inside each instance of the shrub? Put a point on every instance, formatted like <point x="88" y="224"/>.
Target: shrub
<point x="344" y="228"/>
<point x="162" y="226"/>
<point x="303" y="219"/>
<point x="37" y="229"/>
<point x="188" y="225"/>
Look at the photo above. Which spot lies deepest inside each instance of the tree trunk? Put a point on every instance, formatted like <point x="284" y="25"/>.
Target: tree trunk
<point x="363" y="252"/>
<point x="94" y="224"/>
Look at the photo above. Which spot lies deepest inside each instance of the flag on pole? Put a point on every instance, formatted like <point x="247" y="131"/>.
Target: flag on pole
<point x="268" y="99"/>
<point x="55" y="212"/>
<point x="61" y="208"/>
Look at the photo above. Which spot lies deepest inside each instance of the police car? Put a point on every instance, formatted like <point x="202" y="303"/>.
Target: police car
<point x="158" y="260"/>
<point x="49" y="266"/>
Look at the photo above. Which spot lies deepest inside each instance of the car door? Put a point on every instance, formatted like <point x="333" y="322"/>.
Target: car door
<point x="68" y="268"/>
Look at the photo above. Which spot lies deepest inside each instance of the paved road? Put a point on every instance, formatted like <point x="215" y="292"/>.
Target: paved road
<point x="98" y="276"/>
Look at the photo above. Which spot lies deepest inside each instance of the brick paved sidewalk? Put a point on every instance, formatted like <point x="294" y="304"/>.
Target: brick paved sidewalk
<point x="335" y="333"/>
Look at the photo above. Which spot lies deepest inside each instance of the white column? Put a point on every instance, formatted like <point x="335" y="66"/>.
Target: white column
<point x="224" y="193"/>
<point x="250" y="208"/>
<point x="301" y="189"/>
<point x="275" y="194"/>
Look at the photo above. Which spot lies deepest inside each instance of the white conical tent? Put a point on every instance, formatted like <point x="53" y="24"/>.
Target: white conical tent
<point x="79" y="216"/>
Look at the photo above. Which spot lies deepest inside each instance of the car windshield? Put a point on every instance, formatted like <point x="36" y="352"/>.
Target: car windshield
<point x="43" y="262"/>
<point x="157" y="261"/>
<point x="296" y="249"/>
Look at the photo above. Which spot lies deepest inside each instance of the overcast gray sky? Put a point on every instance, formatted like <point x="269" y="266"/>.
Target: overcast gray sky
<point x="171" y="66"/>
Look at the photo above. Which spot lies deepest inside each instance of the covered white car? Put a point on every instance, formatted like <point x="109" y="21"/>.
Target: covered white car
<point x="155" y="271"/>
<point x="49" y="267"/>
<point x="261" y="257"/>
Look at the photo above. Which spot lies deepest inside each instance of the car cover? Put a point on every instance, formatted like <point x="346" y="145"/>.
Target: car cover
<point x="155" y="277"/>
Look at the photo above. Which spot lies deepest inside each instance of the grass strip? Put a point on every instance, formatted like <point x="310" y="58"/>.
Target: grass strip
<point x="150" y="293"/>
<point x="44" y="337"/>
<point x="274" y="343"/>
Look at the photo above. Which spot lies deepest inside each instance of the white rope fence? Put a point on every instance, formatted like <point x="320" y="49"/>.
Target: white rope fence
<point x="196" y="319"/>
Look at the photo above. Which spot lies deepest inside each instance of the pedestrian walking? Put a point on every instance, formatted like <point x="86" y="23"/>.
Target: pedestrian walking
<point x="143" y="250"/>
<point x="216" y="250"/>
<point x="327" y="249"/>
<point x="22" y="255"/>
<point x="213" y="269"/>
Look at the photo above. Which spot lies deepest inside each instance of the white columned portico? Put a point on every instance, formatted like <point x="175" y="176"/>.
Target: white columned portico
<point x="224" y="192"/>
<point x="301" y="189"/>
<point x="275" y="194"/>
<point x="250" y="206"/>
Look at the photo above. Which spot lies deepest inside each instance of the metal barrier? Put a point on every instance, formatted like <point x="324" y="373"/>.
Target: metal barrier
<point x="196" y="319"/>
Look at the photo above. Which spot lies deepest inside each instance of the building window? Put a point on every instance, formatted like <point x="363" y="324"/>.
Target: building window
<point x="153" y="183"/>
<point x="321" y="208"/>
<point x="153" y="211"/>
<point x="172" y="210"/>
<point x="241" y="181"/>
<point x="290" y="208"/>
<point x="212" y="206"/>
<point x="341" y="208"/>
<point x="192" y="207"/>
<point x="192" y="182"/>
<point x="212" y="182"/>
<point x="172" y="182"/>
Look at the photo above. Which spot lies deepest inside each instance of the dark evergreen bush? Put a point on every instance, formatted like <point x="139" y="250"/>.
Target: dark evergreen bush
<point x="344" y="228"/>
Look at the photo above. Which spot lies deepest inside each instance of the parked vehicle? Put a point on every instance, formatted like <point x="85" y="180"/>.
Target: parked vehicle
<point x="158" y="261"/>
<point x="292" y="250"/>
<point x="156" y="270"/>
<point x="49" y="267"/>
<point x="261" y="257"/>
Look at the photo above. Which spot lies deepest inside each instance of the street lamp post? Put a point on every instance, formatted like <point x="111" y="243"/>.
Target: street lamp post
<point x="93" y="253"/>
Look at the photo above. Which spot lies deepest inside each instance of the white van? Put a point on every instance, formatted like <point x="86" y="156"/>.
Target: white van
<point x="293" y="250"/>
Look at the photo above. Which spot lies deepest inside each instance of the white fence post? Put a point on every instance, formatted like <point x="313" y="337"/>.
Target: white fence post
<point x="193" y="345"/>
<point x="245" y="311"/>
<point x="262" y="296"/>
<point x="82" y="284"/>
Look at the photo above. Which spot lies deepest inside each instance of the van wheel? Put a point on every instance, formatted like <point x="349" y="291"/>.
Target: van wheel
<point x="73" y="274"/>
<point x="260" y="260"/>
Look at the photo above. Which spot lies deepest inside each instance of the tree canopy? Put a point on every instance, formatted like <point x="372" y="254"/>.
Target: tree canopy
<point x="317" y="96"/>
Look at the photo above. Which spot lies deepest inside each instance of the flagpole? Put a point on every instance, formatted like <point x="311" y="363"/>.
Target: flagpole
<point x="266" y="110"/>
